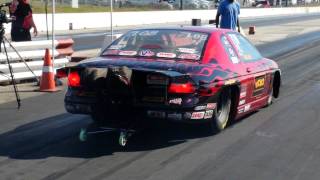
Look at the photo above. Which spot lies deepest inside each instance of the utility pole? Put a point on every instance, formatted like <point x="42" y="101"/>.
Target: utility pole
<point x="111" y="23"/>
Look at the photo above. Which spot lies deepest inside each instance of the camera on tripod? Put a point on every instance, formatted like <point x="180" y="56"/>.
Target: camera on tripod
<point x="3" y="16"/>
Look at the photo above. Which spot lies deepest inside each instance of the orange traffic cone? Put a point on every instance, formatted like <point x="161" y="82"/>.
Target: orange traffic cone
<point x="47" y="83"/>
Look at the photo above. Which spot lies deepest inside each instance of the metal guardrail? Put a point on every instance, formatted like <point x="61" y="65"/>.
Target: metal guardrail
<point x="33" y="52"/>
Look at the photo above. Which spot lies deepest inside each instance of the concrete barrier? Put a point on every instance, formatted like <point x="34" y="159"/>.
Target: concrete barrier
<point x="32" y="53"/>
<point x="102" y="20"/>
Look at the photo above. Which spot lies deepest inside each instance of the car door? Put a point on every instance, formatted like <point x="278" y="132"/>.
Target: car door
<point x="257" y="79"/>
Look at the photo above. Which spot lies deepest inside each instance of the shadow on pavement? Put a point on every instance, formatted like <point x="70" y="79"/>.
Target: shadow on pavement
<point x="58" y="137"/>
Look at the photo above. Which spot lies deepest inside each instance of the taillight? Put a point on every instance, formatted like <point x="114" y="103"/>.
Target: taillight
<point x="74" y="79"/>
<point x="185" y="88"/>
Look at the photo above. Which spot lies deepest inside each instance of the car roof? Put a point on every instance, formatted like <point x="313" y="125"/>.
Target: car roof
<point x="205" y="29"/>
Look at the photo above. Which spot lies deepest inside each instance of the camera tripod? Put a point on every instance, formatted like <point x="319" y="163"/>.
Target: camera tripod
<point x="3" y="41"/>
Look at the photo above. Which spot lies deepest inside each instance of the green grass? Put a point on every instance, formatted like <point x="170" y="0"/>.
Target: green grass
<point x="38" y="7"/>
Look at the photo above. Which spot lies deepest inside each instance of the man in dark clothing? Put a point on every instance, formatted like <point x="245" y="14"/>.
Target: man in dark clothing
<point x="21" y="13"/>
<point x="229" y="11"/>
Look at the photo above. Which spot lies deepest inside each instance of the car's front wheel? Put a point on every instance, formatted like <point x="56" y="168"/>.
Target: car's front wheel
<point x="222" y="111"/>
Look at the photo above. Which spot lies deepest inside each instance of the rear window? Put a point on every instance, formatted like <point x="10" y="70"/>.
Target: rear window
<point x="166" y="44"/>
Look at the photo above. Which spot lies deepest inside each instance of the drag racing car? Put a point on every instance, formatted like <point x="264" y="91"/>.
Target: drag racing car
<point x="184" y="74"/>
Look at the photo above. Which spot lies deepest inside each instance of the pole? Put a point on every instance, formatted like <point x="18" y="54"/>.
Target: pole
<point x="46" y="9"/>
<point x="111" y="23"/>
<point x="53" y="35"/>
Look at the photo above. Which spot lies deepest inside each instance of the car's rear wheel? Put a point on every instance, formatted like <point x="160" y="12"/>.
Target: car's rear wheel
<point x="222" y="111"/>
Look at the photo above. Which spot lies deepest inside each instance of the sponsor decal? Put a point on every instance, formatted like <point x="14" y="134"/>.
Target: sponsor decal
<point x="241" y="110"/>
<point x="242" y="102"/>
<point x="157" y="79"/>
<point x="187" y="50"/>
<point x="211" y="105"/>
<point x="146" y="53"/>
<point x="177" y="101"/>
<point x="152" y="99"/>
<point x="197" y="115"/>
<point x="156" y="114"/>
<point x="259" y="82"/>
<point x="128" y="53"/>
<point x="189" y="56"/>
<point x="175" y="116"/>
<point x="259" y="85"/>
<point x="230" y="81"/>
<point x="199" y="108"/>
<point x="166" y="55"/>
<point x="247" y="107"/>
<point x="208" y="114"/>
<point x="243" y="94"/>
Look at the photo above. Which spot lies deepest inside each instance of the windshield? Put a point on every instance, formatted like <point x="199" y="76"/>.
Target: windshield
<point x="167" y="44"/>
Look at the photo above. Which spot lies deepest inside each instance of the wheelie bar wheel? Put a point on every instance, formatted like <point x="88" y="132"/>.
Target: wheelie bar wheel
<point x="83" y="135"/>
<point x="125" y="134"/>
<point x="123" y="138"/>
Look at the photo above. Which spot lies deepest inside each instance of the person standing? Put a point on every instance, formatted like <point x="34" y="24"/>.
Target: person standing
<point x="21" y="14"/>
<point x="229" y="11"/>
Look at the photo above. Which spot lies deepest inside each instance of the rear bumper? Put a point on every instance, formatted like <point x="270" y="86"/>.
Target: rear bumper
<point x="196" y="114"/>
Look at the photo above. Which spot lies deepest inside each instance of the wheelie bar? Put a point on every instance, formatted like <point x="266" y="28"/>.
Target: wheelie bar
<point x="124" y="134"/>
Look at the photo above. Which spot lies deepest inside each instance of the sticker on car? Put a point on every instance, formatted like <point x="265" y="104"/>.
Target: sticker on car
<point x="146" y="53"/>
<point x="187" y="50"/>
<point x="189" y="56"/>
<point x="259" y="85"/>
<point x="197" y="115"/>
<point x="211" y="105"/>
<point x="177" y="101"/>
<point x="199" y="108"/>
<point x="208" y="114"/>
<point x="166" y="55"/>
<point x="242" y="102"/>
<point x="128" y="53"/>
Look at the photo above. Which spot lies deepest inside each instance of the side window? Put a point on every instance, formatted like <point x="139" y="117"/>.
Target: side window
<point x="246" y="50"/>
<point x="229" y="49"/>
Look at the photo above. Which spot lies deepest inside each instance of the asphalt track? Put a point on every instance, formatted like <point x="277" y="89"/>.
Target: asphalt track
<point x="39" y="141"/>
<point x="95" y="40"/>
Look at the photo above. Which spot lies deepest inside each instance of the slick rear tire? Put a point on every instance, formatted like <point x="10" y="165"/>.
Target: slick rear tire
<point x="222" y="112"/>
